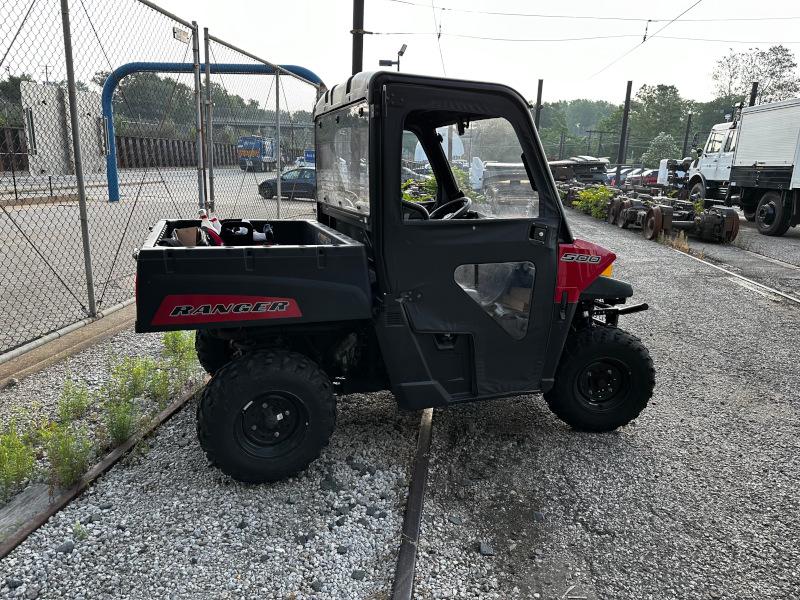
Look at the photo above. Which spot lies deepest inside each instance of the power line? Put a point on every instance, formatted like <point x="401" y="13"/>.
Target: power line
<point x="587" y="17"/>
<point x="616" y="60"/>
<point x="438" y="36"/>
<point x="580" y="39"/>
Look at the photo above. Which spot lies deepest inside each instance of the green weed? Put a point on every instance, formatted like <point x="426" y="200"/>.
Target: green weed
<point x="159" y="385"/>
<point x="122" y="418"/>
<point x="79" y="532"/>
<point x="129" y="377"/>
<point x="17" y="460"/>
<point x="74" y="401"/>
<point x="179" y="352"/>
<point x="68" y="450"/>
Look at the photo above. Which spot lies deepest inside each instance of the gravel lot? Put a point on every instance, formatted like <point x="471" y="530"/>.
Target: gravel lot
<point x="36" y="396"/>
<point x="696" y="499"/>
<point x="167" y="525"/>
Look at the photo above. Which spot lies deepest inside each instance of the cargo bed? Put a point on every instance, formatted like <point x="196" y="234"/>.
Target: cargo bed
<point x="310" y="274"/>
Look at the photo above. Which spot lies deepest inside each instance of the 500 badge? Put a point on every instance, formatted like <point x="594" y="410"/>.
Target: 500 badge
<point x="590" y="259"/>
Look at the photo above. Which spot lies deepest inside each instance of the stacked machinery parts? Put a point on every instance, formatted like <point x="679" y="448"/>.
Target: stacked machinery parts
<point x="660" y="214"/>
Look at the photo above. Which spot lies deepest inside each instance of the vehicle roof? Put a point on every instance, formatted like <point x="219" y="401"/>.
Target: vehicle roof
<point x="770" y="105"/>
<point x="358" y="86"/>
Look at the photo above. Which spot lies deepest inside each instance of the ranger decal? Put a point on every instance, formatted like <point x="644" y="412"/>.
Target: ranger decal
<point x="192" y="309"/>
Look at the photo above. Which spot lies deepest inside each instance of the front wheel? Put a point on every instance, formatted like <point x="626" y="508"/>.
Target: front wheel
<point x="266" y="415"/>
<point x="604" y="379"/>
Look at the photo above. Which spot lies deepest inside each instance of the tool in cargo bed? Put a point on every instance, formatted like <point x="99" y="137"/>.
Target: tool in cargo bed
<point x="437" y="296"/>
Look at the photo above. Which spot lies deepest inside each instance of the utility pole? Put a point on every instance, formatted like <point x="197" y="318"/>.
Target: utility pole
<point x="538" y="113"/>
<point x="561" y="147"/>
<point x="358" y="36"/>
<point x="686" y="135"/>
<point x="623" y="134"/>
<point x="753" y="94"/>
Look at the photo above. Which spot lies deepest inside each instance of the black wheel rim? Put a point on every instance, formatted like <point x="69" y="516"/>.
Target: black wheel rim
<point x="271" y="425"/>
<point x="766" y="213"/>
<point x="603" y="384"/>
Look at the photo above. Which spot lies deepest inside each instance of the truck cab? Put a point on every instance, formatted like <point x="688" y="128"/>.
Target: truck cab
<point x="709" y="176"/>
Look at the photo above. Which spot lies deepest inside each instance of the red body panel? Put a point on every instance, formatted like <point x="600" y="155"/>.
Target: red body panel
<point x="575" y="272"/>
<point x="190" y="309"/>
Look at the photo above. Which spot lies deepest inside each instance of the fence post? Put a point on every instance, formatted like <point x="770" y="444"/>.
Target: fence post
<point x="76" y="147"/>
<point x="278" y="136"/>
<point x="209" y="131"/>
<point x="198" y="120"/>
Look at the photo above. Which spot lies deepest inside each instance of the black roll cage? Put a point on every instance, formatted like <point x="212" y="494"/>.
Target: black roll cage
<point x="376" y="95"/>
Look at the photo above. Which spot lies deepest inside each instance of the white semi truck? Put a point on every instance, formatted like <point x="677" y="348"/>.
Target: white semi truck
<point x="754" y="161"/>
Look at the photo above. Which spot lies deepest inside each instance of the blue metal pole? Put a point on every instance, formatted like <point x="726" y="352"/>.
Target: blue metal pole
<point x="113" y="79"/>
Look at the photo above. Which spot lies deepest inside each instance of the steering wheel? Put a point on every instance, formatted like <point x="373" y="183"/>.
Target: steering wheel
<point x="417" y="208"/>
<point x="453" y="209"/>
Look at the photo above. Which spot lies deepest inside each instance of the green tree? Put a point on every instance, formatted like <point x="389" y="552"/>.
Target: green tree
<point x="662" y="146"/>
<point x="775" y="70"/>
<point x="657" y="108"/>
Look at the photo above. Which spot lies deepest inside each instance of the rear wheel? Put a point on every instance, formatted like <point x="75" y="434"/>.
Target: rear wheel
<point x="772" y="218"/>
<point x="266" y="415"/>
<point x="213" y="353"/>
<point x="604" y="379"/>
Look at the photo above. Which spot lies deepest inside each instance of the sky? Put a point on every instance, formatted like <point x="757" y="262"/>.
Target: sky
<point x="316" y="34"/>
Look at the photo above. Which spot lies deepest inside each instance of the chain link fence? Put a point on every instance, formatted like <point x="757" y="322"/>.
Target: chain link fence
<point x="142" y="133"/>
<point x="266" y="113"/>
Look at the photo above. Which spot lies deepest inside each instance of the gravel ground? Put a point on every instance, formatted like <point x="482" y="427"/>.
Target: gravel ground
<point x="696" y="499"/>
<point x="36" y="396"/>
<point x="166" y="525"/>
<point x="785" y="248"/>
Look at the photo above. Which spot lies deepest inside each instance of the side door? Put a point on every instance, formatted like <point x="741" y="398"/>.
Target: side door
<point x="707" y="164"/>
<point x="475" y="290"/>
<point x="289" y="183"/>
<point x="725" y="161"/>
<point x="305" y="185"/>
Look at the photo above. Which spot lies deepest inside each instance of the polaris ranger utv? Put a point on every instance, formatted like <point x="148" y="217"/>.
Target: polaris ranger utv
<point x="432" y="297"/>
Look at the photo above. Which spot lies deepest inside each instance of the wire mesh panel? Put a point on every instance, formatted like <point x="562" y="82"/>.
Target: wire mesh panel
<point x="268" y="122"/>
<point x="43" y="262"/>
<point x="155" y="141"/>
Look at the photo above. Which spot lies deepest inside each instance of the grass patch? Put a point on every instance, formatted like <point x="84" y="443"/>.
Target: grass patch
<point x="679" y="241"/>
<point x="17" y="460"/>
<point x="69" y="451"/>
